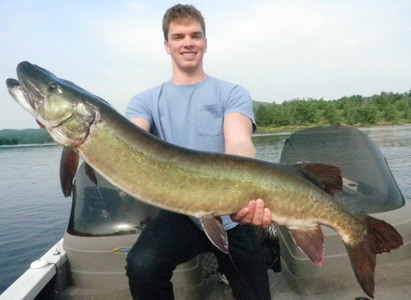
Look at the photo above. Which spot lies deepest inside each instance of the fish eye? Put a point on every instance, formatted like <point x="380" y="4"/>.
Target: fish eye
<point x="52" y="87"/>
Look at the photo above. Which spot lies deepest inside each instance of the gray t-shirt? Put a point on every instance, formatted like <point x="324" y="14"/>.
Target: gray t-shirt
<point x="192" y="115"/>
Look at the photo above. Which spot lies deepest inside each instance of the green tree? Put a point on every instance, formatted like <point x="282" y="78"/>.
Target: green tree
<point x="8" y="141"/>
<point x="262" y="116"/>
<point x="366" y="115"/>
<point x="331" y="114"/>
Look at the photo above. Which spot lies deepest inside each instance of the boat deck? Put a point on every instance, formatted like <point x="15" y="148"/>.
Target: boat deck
<point x="220" y="291"/>
<point x="281" y="291"/>
<point x="34" y="280"/>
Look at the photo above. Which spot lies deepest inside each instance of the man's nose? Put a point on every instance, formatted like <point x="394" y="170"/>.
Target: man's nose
<point x="188" y="42"/>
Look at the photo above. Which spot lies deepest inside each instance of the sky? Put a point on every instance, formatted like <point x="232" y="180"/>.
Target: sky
<point x="278" y="50"/>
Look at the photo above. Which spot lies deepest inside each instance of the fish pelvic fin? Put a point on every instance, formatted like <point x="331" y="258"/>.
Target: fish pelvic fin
<point x="311" y="243"/>
<point x="215" y="232"/>
<point x="380" y="237"/>
<point x="68" y="168"/>
<point x="326" y="177"/>
<point x="91" y="174"/>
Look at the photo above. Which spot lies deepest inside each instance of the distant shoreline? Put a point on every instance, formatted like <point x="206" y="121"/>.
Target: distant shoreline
<point x="261" y="130"/>
<point x="284" y="130"/>
<point x="29" y="145"/>
<point x="16" y="137"/>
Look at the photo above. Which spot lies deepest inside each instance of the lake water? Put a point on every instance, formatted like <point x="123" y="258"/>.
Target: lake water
<point x="34" y="214"/>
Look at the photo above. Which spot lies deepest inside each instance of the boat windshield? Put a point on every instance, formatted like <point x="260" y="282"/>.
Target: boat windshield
<point x="368" y="185"/>
<point x="104" y="210"/>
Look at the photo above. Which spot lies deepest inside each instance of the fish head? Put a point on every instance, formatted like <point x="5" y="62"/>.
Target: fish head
<point x="59" y="105"/>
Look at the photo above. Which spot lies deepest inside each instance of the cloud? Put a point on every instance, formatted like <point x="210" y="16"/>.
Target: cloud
<point x="282" y="51"/>
<point x="136" y="6"/>
<point x="278" y="50"/>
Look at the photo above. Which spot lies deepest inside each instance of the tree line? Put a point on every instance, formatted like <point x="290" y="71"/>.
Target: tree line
<point x="385" y="108"/>
<point x="24" y="136"/>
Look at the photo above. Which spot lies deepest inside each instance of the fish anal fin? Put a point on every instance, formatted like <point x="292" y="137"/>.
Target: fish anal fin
<point x="91" y="174"/>
<point x="311" y="243"/>
<point x="68" y="168"/>
<point x="215" y="231"/>
<point x="327" y="177"/>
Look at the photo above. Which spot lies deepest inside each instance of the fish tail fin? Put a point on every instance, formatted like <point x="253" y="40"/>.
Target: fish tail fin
<point x="380" y="237"/>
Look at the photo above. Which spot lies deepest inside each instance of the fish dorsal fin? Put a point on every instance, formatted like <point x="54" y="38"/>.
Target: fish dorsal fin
<point x="91" y="174"/>
<point x="68" y="168"/>
<point x="311" y="243"/>
<point x="326" y="177"/>
<point x="215" y="231"/>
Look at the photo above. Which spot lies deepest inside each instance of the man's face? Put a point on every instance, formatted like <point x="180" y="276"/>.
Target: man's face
<point x="186" y="44"/>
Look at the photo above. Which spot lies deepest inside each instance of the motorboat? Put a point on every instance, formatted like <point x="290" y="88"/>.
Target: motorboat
<point x="89" y="261"/>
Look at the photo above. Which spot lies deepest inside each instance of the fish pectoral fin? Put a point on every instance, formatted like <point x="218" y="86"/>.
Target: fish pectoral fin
<point x="310" y="242"/>
<point x="326" y="177"/>
<point x="68" y="168"/>
<point x="91" y="174"/>
<point x="215" y="231"/>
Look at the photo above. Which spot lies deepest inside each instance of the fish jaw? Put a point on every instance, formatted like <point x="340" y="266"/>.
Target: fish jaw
<point x="20" y="96"/>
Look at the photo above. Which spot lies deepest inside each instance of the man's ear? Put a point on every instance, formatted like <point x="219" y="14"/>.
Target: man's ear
<point x="205" y="47"/>
<point x="167" y="47"/>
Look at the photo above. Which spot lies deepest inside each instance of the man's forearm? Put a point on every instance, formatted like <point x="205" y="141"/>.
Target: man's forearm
<point x="245" y="148"/>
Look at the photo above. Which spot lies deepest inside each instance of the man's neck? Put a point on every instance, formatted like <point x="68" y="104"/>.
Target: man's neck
<point x="183" y="78"/>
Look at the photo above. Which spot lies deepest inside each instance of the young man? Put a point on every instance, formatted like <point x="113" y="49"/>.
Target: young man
<point x="196" y="111"/>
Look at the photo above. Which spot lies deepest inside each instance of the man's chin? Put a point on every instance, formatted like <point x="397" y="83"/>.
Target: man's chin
<point x="190" y="67"/>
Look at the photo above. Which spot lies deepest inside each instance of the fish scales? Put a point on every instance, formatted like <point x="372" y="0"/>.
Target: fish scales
<point x="208" y="183"/>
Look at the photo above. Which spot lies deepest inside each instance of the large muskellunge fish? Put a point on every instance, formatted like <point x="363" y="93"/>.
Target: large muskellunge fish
<point x="200" y="184"/>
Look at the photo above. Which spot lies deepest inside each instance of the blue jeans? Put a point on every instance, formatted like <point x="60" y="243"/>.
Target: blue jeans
<point x="172" y="239"/>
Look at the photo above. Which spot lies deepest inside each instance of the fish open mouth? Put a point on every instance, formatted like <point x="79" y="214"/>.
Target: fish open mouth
<point x="21" y="95"/>
<point x="27" y="98"/>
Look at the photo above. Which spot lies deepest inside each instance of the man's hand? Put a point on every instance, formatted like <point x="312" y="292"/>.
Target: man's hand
<point x="254" y="214"/>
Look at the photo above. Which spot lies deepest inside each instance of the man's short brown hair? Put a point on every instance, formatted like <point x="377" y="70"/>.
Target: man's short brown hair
<point x="182" y="13"/>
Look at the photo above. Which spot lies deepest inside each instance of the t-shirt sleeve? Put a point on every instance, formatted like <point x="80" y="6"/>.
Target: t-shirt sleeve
<point x="239" y="101"/>
<point x="138" y="107"/>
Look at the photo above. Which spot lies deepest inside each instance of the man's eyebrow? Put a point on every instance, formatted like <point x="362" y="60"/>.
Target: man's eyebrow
<point x="196" y="33"/>
<point x="177" y="34"/>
